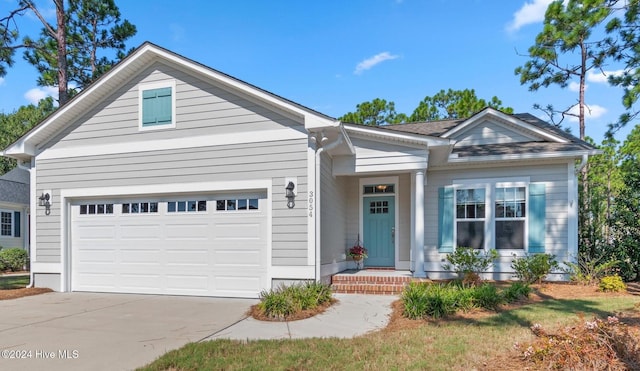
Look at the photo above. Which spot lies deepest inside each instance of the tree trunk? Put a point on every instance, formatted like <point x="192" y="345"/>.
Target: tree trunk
<point x="61" y="38"/>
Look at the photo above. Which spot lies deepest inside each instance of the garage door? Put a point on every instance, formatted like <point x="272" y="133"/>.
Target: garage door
<point x="199" y="245"/>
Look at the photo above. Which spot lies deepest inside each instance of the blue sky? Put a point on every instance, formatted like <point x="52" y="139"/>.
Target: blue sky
<point x="331" y="55"/>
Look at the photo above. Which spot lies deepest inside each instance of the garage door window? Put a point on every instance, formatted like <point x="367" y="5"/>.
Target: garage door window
<point x="94" y="209"/>
<point x="187" y="206"/>
<point x="237" y="204"/>
<point x="140" y="207"/>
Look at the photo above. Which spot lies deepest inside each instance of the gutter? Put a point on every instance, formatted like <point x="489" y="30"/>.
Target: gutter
<point x="28" y="169"/>
<point x="319" y="151"/>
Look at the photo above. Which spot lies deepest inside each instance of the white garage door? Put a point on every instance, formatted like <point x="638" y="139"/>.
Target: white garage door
<point x="199" y="245"/>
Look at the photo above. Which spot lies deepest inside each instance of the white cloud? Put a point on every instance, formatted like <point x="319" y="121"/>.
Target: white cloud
<point x="602" y="76"/>
<point x="531" y="12"/>
<point x="36" y="94"/>
<point x="574" y="86"/>
<point x="177" y="32"/>
<point x="591" y="111"/>
<point x="371" y="62"/>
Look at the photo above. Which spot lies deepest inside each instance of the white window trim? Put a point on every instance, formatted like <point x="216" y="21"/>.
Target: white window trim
<point x="13" y="223"/>
<point x="157" y="85"/>
<point x="490" y="186"/>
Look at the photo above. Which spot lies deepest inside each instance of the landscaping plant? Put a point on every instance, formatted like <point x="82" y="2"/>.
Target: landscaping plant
<point x="612" y="284"/>
<point x="286" y="301"/>
<point x="516" y="291"/>
<point x="468" y="263"/>
<point x="589" y="271"/>
<point x="534" y="268"/>
<point x="13" y="259"/>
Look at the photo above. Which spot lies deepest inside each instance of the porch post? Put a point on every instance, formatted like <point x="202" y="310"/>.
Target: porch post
<point x="418" y="253"/>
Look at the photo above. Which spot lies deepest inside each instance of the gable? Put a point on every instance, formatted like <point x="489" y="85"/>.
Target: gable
<point x="122" y="74"/>
<point x="491" y="131"/>
<point x="203" y="109"/>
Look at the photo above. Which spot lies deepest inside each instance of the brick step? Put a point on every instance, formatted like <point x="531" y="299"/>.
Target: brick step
<point x="369" y="284"/>
<point x="367" y="288"/>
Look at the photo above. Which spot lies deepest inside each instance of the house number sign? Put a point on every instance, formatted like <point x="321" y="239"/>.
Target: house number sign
<point x="310" y="204"/>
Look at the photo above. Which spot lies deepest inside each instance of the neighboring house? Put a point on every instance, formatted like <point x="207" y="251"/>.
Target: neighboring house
<point x="166" y="176"/>
<point x="14" y="209"/>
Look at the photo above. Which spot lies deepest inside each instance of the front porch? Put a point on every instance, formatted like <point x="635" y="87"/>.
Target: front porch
<point x="372" y="281"/>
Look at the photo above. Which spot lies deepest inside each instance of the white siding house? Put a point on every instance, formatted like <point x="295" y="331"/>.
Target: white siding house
<point x="169" y="177"/>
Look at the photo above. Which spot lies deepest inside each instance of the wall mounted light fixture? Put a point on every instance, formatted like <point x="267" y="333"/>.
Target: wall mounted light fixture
<point x="45" y="200"/>
<point x="291" y="196"/>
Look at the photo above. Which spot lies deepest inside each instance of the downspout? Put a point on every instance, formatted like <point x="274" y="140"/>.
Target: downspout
<point x="319" y="151"/>
<point x="583" y="163"/>
<point x="28" y="234"/>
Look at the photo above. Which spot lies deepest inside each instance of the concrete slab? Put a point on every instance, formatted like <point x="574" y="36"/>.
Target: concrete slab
<point x="353" y="315"/>
<point x="90" y="331"/>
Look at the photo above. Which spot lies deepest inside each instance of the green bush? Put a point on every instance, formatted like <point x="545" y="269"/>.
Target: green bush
<point x="13" y="259"/>
<point x="285" y="301"/>
<point x="487" y="296"/>
<point x="516" y="291"/>
<point x="466" y="260"/>
<point x="589" y="271"/>
<point x="423" y="300"/>
<point x="534" y="268"/>
<point x="612" y="284"/>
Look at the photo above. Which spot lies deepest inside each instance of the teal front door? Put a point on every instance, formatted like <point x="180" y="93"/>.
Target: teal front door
<point x="379" y="223"/>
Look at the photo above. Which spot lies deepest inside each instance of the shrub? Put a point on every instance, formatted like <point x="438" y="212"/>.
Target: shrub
<point x="612" y="284"/>
<point x="465" y="260"/>
<point x="533" y="268"/>
<point x="13" y="259"/>
<point x="487" y="296"/>
<point x="516" y="291"/>
<point x="286" y="301"/>
<point x="589" y="271"/>
<point x="423" y="300"/>
<point x="433" y="300"/>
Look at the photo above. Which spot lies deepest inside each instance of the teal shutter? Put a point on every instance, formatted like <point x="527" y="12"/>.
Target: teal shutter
<point x="156" y="107"/>
<point x="16" y="226"/>
<point x="445" y="219"/>
<point x="537" y="217"/>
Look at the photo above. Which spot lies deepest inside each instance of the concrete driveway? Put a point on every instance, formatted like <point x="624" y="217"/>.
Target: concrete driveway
<point x="91" y="331"/>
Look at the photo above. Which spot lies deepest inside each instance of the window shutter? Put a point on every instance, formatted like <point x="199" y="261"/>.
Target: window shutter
<point x="537" y="217"/>
<point x="163" y="106"/>
<point x="16" y="225"/>
<point x="156" y="107"/>
<point x="445" y="219"/>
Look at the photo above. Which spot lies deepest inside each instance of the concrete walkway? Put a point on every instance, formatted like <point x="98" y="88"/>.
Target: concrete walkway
<point x="353" y="315"/>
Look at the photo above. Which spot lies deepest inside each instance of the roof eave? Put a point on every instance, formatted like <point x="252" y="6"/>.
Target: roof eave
<point x="454" y="159"/>
<point x="417" y="139"/>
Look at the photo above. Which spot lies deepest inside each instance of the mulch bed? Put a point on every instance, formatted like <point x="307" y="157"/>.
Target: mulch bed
<point x="18" y="293"/>
<point x="256" y="313"/>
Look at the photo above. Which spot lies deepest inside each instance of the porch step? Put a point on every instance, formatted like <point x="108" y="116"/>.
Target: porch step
<point x="363" y="282"/>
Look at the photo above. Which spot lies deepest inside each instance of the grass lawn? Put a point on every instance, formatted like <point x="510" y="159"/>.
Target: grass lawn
<point x="461" y="343"/>
<point x="13" y="282"/>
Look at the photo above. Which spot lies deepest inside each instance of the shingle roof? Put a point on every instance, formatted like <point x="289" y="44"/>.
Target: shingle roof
<point x="17" y="175"/>
<point x="438" y="128"/>
<point x="14" y="187"/>
<point x="518" y="148"/>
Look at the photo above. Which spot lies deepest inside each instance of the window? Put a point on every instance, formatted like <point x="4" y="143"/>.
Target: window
<point x="380" y="188"/>
<point x="237" y="204"/>
<point x="470" y="217"/>
<point x="157" y="105"/>
<point x="93" y="209"/>
<point x="6" y="223"/>
<point x="186" y="206"/>
<point x="510" y="216"/>
<point x="139" y="207"/>
<point x="379" y="207"/>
